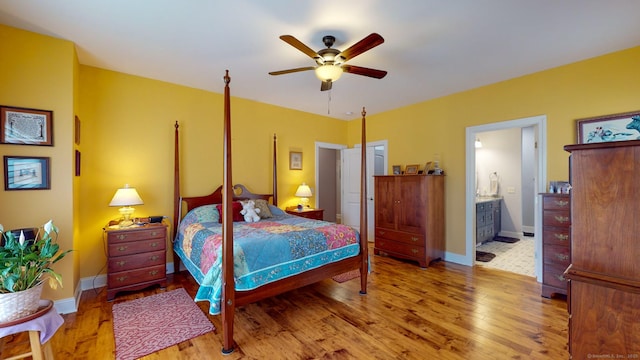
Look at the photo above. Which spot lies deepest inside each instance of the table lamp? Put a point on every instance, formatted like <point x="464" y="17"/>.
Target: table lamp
<point x="126" y="197"/>
<point x="304" y="193"/>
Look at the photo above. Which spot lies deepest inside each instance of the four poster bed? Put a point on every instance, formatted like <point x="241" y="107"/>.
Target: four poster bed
<point x="237" y="263"/>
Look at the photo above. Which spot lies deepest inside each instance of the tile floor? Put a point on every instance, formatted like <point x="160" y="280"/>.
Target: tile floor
<point x="517" y="257"/>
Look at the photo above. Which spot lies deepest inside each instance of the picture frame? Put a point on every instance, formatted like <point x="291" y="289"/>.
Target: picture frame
<point x="609" y="128"/>
<point x="78" y="163"/>
<point x="397" y="170"/>
<point x="427" y="167"/>
<point x="411" y="170"/>
<point x="26" y="173"/>
<point x="295" y="160"/>
<point x="23" y="126"/>
<point x="77" y="130"/>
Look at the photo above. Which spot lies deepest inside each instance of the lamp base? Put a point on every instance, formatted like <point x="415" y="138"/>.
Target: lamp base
<point x="125" y="223"/>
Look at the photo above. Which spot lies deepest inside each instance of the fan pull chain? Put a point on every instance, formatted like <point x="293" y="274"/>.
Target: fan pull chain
<point x="329" y="102"/>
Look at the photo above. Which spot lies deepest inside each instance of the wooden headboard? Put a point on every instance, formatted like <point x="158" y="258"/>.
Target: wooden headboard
<point x="240" y="192"/>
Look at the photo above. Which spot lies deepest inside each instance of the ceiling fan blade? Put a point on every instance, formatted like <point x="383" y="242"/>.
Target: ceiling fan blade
<point x="361" y="46"/>
<point x="326" y="85"/>
<point x="358" y="70"/>
<point x="299" y="45"/>
<point x="291" y="70"/>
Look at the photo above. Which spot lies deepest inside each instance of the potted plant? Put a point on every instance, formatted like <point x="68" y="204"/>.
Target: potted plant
<point x="24" y="264"/>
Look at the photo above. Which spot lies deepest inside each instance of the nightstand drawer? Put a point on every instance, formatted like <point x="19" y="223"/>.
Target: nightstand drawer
<point x="118" y="236"/>
<point x="136" y="261"/>
<point x="137" y="276"/>
<point x="130" y="248"/>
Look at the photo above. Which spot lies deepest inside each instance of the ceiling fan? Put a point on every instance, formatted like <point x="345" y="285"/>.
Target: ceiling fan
<point x="331" y="62"/>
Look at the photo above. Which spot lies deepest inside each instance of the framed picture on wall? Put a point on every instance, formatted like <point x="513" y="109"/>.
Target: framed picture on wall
<point x="26" y="173"/>
<point x="608" y="128"/>
<point x="26" y="126"/>
<point x="295" y="160"/>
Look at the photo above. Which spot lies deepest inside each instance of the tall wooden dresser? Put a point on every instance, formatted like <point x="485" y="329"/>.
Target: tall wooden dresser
<point x="409" y="217"/>
<point x="604" y="276"/>
<point x="556" y="242"/>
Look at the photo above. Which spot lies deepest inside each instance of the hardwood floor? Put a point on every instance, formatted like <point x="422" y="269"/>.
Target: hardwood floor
<point x="446" y="311"/>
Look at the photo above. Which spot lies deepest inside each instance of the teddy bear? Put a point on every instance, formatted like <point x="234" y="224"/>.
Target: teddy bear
<point x="250" y="211"/>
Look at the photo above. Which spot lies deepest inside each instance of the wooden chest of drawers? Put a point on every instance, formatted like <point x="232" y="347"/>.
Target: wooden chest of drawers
<point x="136" y="258"/>
<point x="556" y="242"/>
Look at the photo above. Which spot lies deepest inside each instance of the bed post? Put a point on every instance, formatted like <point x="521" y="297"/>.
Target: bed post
<point x="364" y="246"/>
<point x="228" y="285"/>
<point x="176" y="198"/>
<point x="275" y="172"/>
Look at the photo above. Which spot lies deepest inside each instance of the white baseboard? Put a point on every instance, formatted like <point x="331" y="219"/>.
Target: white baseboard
<point x="69" y="305"/>
<point x="456" y="258"/>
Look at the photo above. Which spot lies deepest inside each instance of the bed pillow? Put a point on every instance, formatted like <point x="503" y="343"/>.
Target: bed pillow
<point x="206" y="213"/>
<point x="236" y="207"/>
<point x="263" y="205"/>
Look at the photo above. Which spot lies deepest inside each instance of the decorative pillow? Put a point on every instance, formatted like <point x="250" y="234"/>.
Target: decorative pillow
<point x="236" y="207"/>
<point x="263" y="205"/>
<point x="206" y="213"/>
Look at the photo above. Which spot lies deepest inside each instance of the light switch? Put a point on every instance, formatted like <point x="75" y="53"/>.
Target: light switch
<point x="511" y="190"/>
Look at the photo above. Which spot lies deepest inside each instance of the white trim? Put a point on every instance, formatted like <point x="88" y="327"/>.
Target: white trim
<point x="455" y="258"/>
<point x="540" y="122"/>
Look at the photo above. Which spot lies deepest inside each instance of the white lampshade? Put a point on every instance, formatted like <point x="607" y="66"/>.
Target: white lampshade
<point x="126" y="197"/>
<point x="328" y="72"/>
<point x="304" y="193"/>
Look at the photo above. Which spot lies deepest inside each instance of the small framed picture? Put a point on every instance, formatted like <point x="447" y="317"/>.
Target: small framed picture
<point x="427" y="167"/>
<point x="411" y="170"/>
<point x="26" y="173"/>
<point x="295" y="160"/>
<point x="397" y="170"/>
<point x="26" y="126"/>
<point x="608" y="128"/>
<point x="76" y="131"/>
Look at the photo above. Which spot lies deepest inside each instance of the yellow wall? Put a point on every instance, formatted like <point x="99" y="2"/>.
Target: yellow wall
<point x="128" y="137"/>
<point x="38" y="72"/>
<point x="598" y="86"/>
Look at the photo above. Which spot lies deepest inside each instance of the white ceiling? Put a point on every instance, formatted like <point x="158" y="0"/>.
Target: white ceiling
<point x="432" y="47"/>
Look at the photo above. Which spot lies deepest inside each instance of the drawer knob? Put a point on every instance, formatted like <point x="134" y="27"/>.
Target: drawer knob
<point x="153" y="272"/>
<point x="381" y="243"/>
<point x="562" y="256"/>
<point x="121" y="278"/>
<point x="562" y="203"/>
<point x="154" y="257"/>
<point x="414" y="239"/>
<point x="561" y="219"/>
<point x="415" y="251"/>
<point x="382" y="232"/>
<point x="154" y="233"/>
<point x="560" y="277"/>
<point x="153" y="244"/>
<point x="561" y="237"/>
<point x="123" y="248"/>
<point x="121" y="237"/>
<point x="121" y="263"/>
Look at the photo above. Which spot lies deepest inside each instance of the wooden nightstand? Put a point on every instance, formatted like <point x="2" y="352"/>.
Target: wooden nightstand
<point x="136" y="257"/>
<point x="309" y="213"/>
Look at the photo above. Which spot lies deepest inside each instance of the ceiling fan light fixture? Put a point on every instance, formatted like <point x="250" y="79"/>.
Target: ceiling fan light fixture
<point x="328" y="72"/>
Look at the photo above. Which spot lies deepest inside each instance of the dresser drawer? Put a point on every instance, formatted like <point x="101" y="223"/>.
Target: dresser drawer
<point x="557" y="254"/>
<point x="556" y="218"/>
<point x="556" y="202"/>
<point x="137" y="247"/>
<point x="124" y="278"/>
<point x="556" y="236"/>
<point x="553" y="275"/>
<point x="156" y="232"/>
<point x="408" y="238"/>
<point x="143" y="260"/>
<point x="399" y="248"/>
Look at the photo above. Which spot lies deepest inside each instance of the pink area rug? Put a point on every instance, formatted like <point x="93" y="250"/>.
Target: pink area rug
<point x="346" y="276"/>
<point x="153" y="323"/>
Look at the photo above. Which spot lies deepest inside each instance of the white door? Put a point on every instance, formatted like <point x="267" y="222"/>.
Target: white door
<point x="351" y="189"/>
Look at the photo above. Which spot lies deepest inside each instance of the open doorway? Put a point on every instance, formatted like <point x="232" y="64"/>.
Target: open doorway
<point x="537" y="126"/>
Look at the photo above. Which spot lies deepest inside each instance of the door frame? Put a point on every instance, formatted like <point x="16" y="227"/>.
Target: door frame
<point x="540" y="123"/>
<point x="322" y="145"/>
